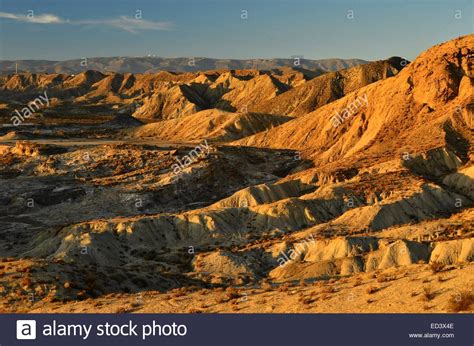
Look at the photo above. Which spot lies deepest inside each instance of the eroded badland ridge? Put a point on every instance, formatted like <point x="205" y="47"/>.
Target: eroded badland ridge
<point x="279" y="190"/>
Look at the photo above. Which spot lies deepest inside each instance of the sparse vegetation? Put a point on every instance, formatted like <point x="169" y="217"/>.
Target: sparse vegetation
<point x="371" y="289"/>
<point x="428" y="293"/>
<point x="328" y="289"/>
<point x="436" y="267"/>
<point x="307" y="300"/>
<point x="385" y="278"/>
<point x="122" y="310"/>
<point x="462" y="301"/>
<point x="232" y="293"/>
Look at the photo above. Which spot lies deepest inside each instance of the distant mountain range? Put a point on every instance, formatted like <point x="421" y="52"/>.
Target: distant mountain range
<point x="155" y="64"/>
<point x="166" y="95"/>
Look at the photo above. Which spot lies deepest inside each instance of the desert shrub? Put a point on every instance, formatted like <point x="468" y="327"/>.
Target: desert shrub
<point x="194" y="311"/>
<point x="371" y="289"/>
<point x="328" y="289"/>
<point x="436" y="267"/>
<point x="308" y="300"/>
<point x="135" y="304"/>
<point x="122" y="310"/>
<point x="232" y="293"/>
<point x="428" y="293"/>
<point x="462" y="301"/>
<point x="384" y="278"/>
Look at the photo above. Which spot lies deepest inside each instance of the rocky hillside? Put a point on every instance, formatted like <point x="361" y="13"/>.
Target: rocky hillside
<point x="329" y="87"/>
<point x="428" y="105"/>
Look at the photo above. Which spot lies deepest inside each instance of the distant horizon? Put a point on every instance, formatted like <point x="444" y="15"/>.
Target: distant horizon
<point x="259" y="29"/>
<point x="187" y="57"/>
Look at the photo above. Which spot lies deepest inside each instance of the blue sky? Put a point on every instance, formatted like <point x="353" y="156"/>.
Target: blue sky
<point x="72" y="29"/>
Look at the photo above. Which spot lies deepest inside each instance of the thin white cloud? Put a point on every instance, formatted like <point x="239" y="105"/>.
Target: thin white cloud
<point x="129" y="24"/>
<point x="37" y="19"/>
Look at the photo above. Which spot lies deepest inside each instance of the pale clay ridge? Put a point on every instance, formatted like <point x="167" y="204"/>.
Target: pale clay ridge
<point x="462" y="181"/>
<point x="199" y="227"/>
<point x="226" y="264"/>
<point x="210" y="124"/>
<point x="263" y="194"/>
<point x="346" y="256"/>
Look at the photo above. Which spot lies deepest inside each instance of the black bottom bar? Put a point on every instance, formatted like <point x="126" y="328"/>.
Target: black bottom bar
<point x="233" y="329"/>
